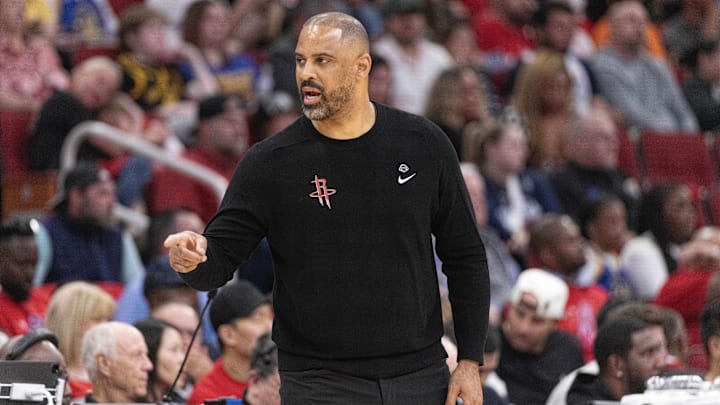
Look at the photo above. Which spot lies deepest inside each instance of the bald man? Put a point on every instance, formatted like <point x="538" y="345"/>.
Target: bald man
<point x="349" y="196"/>
<point x="38" y="345"/>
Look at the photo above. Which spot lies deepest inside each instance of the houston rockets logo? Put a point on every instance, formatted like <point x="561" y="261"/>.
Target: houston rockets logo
<point x="322" y="192"/>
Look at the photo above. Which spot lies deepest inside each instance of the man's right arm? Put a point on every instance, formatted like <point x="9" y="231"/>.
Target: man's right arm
<point x="186" y="250"/>
<point x="187" y="256"/>
<point x="209" y="260"/>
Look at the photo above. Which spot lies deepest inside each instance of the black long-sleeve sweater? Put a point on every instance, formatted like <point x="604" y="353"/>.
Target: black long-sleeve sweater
<point x="349" y="224"/>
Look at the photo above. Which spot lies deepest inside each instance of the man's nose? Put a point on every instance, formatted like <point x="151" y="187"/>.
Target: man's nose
<point x="306" y="71"/>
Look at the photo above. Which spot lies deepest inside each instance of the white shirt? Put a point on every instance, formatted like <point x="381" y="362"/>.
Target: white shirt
<point x="645" y="266"/>
<point x="412" y="78"/>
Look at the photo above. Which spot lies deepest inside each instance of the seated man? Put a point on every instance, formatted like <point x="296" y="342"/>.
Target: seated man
<point x="557" y="246"/>
<point x="628" y="352"/>
<point x="534" y="354"/>
<point x="223" y="137"/>
<point x="80" y="241"/>
<point x="240" y="314"/>
<point x="116" y="358"/>
<point x="93" y="84"/>
<point x="641" y="87"/>
<point x="38" y="345"/>
<point x="23" y="307"/>
<point x="710" y="332"/>
<point x="264" y="380"/>
<point x="700" y="87"/>
<point x="657" y="318"/>
<point x="592" y="167"/>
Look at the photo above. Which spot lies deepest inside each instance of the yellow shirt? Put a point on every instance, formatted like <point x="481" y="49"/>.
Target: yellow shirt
<point x="39" y="12"/>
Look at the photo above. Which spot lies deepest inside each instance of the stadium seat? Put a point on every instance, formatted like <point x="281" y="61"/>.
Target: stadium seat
<point x="29" y="193"/>
<point x="83" y="53"/>
<point x="14" y="141"/>
<point x="683" y="157"/>
<point x="713" y="205"/>
<point x="627" y="155"/>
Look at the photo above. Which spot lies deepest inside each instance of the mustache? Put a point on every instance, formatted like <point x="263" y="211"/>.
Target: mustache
<point x="308" y="83"/>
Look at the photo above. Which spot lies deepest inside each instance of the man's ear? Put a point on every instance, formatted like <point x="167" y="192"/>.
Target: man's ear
<point x="547" y="256"/>
<point x="74" y="194"/>
<point x="226" y="334"/>
<point x="364" y="64"/>
<point x="714" y="347"/>
<point x="617" y="367"/>
<point x="103" y="364"/>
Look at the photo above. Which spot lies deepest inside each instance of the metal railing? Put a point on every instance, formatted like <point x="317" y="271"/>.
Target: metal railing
<point x="96" y="129"/>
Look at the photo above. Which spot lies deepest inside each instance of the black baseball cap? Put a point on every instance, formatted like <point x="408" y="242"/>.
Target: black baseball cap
<point x="81" y="176"/>
<point x="218" y="104"/>
<point x="237" y="299"/>
<point x="396" y="7"/>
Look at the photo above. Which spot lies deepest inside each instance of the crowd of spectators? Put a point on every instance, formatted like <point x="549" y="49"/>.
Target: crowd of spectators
<point x="536" y="97"/>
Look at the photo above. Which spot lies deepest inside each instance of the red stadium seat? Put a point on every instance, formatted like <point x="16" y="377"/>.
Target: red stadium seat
<point x="683" y="157"/>
<point x="627" y="155"/>
<point x="713" y="205"/>
<point x="14" y="141"/>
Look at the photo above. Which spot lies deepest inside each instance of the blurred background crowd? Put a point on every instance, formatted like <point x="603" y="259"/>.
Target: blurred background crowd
<point x="585" y="129"/>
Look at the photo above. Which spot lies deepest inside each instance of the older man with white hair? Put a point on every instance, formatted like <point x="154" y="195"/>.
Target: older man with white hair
<point x="116" y="359"/>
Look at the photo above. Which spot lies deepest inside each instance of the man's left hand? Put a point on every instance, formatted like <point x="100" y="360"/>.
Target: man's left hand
<point x="465" y="383"/>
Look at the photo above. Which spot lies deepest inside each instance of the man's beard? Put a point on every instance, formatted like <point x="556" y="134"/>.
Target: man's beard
<point x="636" y="386"/>
<point x="330" y="103"/>
<point x="17" y="293"/>
<point x="94" y="222"/>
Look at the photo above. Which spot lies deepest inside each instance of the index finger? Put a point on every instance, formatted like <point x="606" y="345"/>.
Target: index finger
<point x="188" y="241"/>
<point x="176" y="239"/>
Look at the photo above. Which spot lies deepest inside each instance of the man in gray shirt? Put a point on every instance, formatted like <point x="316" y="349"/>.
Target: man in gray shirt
<point x="640" y="86"/>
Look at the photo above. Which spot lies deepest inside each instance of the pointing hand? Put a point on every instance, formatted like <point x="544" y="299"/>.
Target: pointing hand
<point x="186" y="250"/>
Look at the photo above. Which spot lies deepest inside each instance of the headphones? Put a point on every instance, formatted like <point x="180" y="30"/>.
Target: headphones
<point x="28" y="340"/>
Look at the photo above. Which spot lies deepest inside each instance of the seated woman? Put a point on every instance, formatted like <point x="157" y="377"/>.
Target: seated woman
<point x="516" y="196"/>
<point x="543" y="96"/>
<point x="206" y="26"/>
<point x="73" y="309"/>
<point x="165" y="350"/>
<point x="453" y="114"/>
<point x="667" y="219"/>
<point x="30" y="68"/>
<point x="150" y="66"/>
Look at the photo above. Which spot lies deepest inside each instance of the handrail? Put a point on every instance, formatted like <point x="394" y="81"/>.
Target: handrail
<point x="97" y="129"/>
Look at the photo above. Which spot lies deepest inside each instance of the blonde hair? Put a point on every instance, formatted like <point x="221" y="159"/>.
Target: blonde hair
<point x="72" y="309"/>
<point x="528" y="93"/>
<point x="446" y="105"/>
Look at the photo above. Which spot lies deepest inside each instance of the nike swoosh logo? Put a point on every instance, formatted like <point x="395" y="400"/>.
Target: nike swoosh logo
<point x="403" y="180"/>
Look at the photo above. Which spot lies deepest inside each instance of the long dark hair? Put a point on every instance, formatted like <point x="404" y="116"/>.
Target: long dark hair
<point x="652" y="217"/>
<point x="189" y="26"/>
<point x="153" y="330"/>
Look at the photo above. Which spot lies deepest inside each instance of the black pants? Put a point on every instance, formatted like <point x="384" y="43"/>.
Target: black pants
<point x="427" y="386"/>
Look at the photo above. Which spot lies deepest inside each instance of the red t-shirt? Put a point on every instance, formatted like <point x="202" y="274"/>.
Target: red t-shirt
<point x="503" y="44"/>
<point x="685" y="292"/>
<point x="80" y="388"/>
<point x="495" y="35"/>
<point x="21" y="318"/>
<point x="581" y="315"/>
<point x="216" y="384"/>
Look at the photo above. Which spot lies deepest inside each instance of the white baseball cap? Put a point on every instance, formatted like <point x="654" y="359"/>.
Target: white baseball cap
<point x="549" y="290"/>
